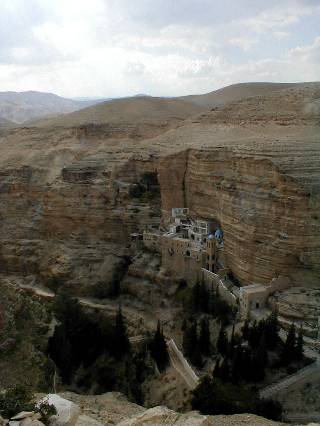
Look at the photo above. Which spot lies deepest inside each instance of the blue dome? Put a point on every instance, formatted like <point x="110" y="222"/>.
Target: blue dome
<point x="210" y="237"/>
<point x="218" y="234"/>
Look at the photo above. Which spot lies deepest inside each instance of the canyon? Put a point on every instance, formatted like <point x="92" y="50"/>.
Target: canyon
<point x="77" y="192"/>
<point x="67" y="199"/>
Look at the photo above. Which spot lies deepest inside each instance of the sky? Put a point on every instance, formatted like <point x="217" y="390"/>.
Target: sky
<point x="114" y="48"/>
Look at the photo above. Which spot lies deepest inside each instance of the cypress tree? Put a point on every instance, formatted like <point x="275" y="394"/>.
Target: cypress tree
<point x="255" y="334"/>
<point x="121" y="344"/>
<point x="190" y="339"/>
<point x="272" y="330"/>
<point x="204" y="339"/>
<point x="204" y="298"/>
<point x="158" y="348"/>
<point x="288" y="352"/>
<point x="195" y="298"/>
<point x="236" y="368"/>
<point x="245" y="330"/>
<point x="196" y="357"/>
<point x="257" y="367"/>
<point x="222" y="343"/>
<point x="216" y="370"/>
<point x="232" y="342"/>
<point x="224" y="371"/>
<point x="299" y="346"/>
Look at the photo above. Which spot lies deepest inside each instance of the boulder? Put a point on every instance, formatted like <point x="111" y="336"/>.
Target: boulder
<point x="67" y="411"/>
<point x="29" y="421"/>
<point x="22" y="415"/>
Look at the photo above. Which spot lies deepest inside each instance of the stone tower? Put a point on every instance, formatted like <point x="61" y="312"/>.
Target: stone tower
<point x="211" y="253"/>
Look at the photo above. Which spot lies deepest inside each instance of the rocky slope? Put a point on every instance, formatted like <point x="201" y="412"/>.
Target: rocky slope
<point x="68" y="199"/>
<point x="24" y="323"/>
<point x="113" y="408"/>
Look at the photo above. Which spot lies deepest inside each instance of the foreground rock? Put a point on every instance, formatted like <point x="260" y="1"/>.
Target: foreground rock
<point x="114" y="409"/>
<point x="67" y="411"/>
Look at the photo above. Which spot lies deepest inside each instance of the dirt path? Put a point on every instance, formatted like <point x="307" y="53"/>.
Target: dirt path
<point x="181" y="365"/>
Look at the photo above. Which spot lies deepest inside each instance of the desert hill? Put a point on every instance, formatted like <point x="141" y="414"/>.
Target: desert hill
<point x="235" y="92"/>
<point x="23" y="106"/>
<point x="295" y="104"/>
<point x="5" y="124"/>
<point x="253" y="165"/>
<point x="135" y="110"/>
<point x="142" y="109"/>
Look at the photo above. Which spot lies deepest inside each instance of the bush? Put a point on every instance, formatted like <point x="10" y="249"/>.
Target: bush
<point x="14" y="400"/>
<point x="46" y="410"/>
<point x="213" y="397"/>
<point x="269" y="409"/>
<point x="137" y="190"/>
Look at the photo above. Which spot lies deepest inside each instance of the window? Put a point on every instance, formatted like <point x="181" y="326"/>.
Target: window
<point x="257" y="305"/>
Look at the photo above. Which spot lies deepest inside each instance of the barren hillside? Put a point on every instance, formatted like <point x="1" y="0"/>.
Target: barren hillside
<point x="22" y="106"/>
<point x="136" y="110"/>
<point x="67" y="207"/>
<point x="5" y="124"/>
<point x="235" y="92"/>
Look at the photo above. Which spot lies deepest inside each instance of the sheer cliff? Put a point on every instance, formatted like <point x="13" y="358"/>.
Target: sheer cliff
<point x="71" y="194"/>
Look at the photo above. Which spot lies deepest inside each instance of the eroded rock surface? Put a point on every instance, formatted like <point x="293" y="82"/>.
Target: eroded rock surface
<point x="70" y="195"/>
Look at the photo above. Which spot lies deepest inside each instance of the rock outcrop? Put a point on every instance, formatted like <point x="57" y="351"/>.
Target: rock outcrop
<point x="113" y="408"/>
<point x="71" y="195"/>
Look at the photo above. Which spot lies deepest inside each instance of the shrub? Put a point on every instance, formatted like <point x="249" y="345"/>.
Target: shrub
<point x="14" y="400"/>
<point x="46" y="410"/>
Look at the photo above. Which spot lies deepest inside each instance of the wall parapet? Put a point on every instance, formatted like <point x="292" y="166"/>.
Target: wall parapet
<point x="210" y="278"/>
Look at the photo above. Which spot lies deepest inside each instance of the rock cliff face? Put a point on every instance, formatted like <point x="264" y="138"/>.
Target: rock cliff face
<point x="270" y="221"/>
<point x="71" y="196"/>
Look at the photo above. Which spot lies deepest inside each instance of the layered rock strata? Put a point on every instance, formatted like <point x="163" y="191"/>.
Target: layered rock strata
<point x="69" y="199"/>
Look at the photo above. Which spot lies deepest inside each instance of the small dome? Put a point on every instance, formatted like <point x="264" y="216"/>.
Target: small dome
<point x="210" y="237"/>
<point x="218" y="234"/>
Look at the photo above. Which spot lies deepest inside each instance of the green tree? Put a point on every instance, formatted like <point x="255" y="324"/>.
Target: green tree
<point x="222" y="342"/>
<point x="195" y="298"/>
<point x="268" y="408"/>
<point x="190" y="339"/>
<point x="158" y="348"/>
<point x="289" y="348"/>
<point x="272" y="330"/>
<point x="245" y="330"/>
<point x="204" y="298"/>
<point x="224" y="372"/>
<point x="216" y="370"/>
<point x="121" y="345"/>
<point x="204" y="338"/>
<point x="299" y="346"/>
<point x="14" y="400"/>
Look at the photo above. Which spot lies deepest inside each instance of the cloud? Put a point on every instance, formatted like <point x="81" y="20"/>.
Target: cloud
<point x="167" y="47"/>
